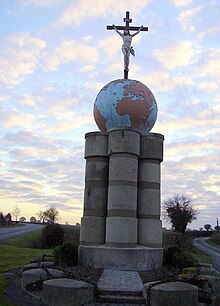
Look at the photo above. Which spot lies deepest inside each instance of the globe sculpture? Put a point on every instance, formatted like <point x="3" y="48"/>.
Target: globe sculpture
<point x="125" y="103"/>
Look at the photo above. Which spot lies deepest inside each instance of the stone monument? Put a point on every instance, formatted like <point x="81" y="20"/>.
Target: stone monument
<point x="121" y="227"/>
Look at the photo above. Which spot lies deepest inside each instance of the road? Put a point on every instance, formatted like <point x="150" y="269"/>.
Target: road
<point x="11" y="232"/>
<point x="212" y="251"/>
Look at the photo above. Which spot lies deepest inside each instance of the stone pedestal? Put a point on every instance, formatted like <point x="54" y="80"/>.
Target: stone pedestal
<point x="121" y="222"/>
<point x="121" y="227"/>
<point x="96" y="189"/>
<point x="149" y="224"/>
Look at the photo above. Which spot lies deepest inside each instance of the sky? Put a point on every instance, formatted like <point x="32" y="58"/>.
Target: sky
<point x="56" y="55"/>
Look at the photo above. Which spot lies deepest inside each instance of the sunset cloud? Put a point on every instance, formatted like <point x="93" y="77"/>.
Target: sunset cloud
<point x="56" y="56"/>
<point x="83" y="9"/>
<point x="176" y="55"/>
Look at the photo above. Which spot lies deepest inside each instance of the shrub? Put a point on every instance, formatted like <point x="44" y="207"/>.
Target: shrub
<point x="182" y="260"/>
<point x="169" y="253"/>
<point x="66" y="254"/>
<point x="174" y="256"/>
<point x="216" y="238"/>
<point x="52" y="235"/>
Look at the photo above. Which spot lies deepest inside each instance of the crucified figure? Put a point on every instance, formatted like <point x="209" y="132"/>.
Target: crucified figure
<point x="127" y="49"/>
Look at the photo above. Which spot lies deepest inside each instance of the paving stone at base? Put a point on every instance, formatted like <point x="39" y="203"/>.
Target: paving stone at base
<point x="67" y="292"/>
<point x="45" y="264"/>
<point x="172" y="294"/>
<point x="34" y="275"/>
<point x="121" y="287"/>
<point x="120" y="280"/>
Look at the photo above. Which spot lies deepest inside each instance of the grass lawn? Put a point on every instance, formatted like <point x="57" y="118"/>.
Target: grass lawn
<point x="209" y="241"/>
<point x="200" y="256"/>
<point x="14" y="225"/>
<point x="12" y="256"/>
<point x="28" y="240"/>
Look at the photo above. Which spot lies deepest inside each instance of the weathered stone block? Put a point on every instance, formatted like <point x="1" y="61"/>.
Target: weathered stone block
<point x="34" y="275"/>
<point x="121" y="231"/>
<point x="122" y="198"/>
<point x="149" y="172"/>
<point x="92" y="230"/>
<point x="150" y="232"/>
<point x="152" y="146"/>
<point x="139" y="258"/>
<point x="172" y="294"/>
<point x="148" y="203"/>
<point x="96" y="144"/>
<point x="123" y="168"/>
<point x="67" y="292"/>
<point x="124" y="141"/>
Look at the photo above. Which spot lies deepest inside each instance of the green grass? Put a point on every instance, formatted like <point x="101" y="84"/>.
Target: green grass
<point x="28" y="240"/>
<point x="200" y="256"/>
<point x="15" y="253"/>
<point x="209" y="241"/>
<point x="14" y="225"/>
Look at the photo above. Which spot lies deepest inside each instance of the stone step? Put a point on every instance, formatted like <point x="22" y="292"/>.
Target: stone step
<point x="123" y="299"/>
<point x="120" y="287"/>
<point x="119" y="292"/>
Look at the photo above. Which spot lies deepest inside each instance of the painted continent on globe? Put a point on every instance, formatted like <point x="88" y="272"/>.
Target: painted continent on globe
<point x="125" y="103"/>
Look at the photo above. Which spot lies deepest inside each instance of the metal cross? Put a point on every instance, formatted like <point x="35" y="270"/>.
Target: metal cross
<point x="128" y="28"/>
<point x="127" y="20"/>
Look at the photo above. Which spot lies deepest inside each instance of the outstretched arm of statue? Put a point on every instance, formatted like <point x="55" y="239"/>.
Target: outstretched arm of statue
<point x="137" y="31"/>
<point x="117" y="30"/>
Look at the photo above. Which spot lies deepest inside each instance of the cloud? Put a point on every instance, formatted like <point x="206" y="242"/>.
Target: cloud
<point x="110" y="45"/>
<point x="209" y="31"/>
<point x="19" y="57"/>
<point x="15" y="118"/>
<point x="180" y="3"/>
<point x="42" y="171"/>
<point x="38" y="3"/>
<point x="208" y="65"/>
<point x="196" y="177"/>
<point x="185" y="18"/>
<point x="207" y="86"/>
<point x="176" y="55"/>
<point x="164" y="82"/>
<point x="27" y="100"/>
<point x="68" y="51"/>
<point x="76" y="12"/>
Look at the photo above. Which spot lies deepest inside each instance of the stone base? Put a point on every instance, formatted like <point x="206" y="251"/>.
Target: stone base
<point x="34" y="275"/>
<point x="172" y="294"/>
<point x="67" y="292"/>
<point x="139" y="258"/>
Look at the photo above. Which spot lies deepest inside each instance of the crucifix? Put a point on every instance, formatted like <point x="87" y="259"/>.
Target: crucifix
<point x="127" y="49"/>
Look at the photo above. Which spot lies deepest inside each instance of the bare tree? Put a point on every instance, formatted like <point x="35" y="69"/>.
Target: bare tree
<point x="42" y="215"/>
<point x="51" y="214"/>
<point x="16" y="212"/>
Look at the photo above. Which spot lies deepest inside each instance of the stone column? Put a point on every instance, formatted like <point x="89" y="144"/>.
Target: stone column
<point x="149" y="223"/>
<point x="121" y="222"/>
<point x="96" y="189"/>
